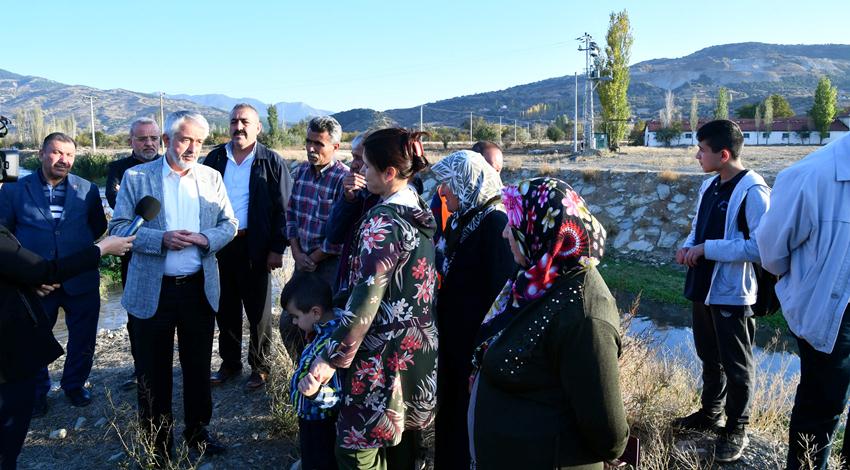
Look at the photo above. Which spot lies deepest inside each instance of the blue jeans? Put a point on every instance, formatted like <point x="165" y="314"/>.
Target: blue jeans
<point x="821" y="399"/>
<point x="81" y="314"/>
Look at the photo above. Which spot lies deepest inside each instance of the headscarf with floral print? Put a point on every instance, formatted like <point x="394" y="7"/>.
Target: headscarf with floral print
<point x="558" y="236"/>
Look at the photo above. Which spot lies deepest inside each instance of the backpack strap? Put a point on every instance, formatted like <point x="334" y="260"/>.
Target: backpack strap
<point x="742" y="218"/>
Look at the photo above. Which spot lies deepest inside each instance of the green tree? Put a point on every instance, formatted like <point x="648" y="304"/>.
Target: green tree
<point x="747" y="111"/>
<point x="824" y="110"/>
<point x="721" y="111"/>
<point x="613" y="94"/>
<point x="636" y="136"/>
<point x="768" y="119"/>
<point x="757" y="119"/>
<point x="554" y="133"/>
<point x="781" y="107"/>
<point x="665" y="135"/>
<point x="694" y="117"/>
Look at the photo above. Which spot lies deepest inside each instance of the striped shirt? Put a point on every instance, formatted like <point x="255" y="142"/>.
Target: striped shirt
<point x="313" y="197"/>
<point x="324" y="404"/>
<point x="55" y="196"/>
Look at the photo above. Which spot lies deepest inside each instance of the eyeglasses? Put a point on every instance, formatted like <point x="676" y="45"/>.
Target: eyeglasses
<point x="150" y="138"/>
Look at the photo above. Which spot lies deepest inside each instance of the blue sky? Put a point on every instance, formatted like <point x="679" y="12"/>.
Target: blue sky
<point x="379" y="54"/>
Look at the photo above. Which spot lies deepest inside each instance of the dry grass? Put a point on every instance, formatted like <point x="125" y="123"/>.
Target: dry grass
<point x="590" y="175"/>
<point x="669" y="176"/>
<point x="138" y="444"/>
<point x="657" y="389"/>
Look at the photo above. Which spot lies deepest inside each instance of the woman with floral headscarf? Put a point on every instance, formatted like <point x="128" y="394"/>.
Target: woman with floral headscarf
<point x="546" y="388"/>
<point x="476" y="262"/>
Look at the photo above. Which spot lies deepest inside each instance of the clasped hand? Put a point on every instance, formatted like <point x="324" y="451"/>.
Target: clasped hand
<point x="179" y="239"/>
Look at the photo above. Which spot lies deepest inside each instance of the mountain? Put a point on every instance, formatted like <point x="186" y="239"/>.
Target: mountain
<point x="751" y="71"/>
<point x="361" y="119"/>
<point x="292" y="112"/>
<point x="114" y="110"/>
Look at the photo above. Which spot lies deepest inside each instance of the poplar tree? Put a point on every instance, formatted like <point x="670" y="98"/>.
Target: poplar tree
<point x="694" y="121"/>
<point x="721" y="111"/>
<point x="613" y="94"/>
<point x="768" y="119"/>
<point x="824" y="109"/>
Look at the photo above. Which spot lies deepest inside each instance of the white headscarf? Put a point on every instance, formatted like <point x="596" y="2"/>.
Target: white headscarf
<point x="470" y="178"/>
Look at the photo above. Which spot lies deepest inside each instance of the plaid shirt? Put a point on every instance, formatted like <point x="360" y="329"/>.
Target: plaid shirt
<point x="324" y="404"/>
<point x="313" y="196"/>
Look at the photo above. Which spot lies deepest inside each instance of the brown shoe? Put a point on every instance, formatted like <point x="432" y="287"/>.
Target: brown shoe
<point x="223" y="375"/>
<point x="257" y="380"/>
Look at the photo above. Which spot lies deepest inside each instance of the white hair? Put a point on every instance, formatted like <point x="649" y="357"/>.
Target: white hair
<point x="174" y="120"/>
<point x="142" y="121"/>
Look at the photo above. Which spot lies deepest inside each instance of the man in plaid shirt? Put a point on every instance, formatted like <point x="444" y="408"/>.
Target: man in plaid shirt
<point x="317" y="185"/>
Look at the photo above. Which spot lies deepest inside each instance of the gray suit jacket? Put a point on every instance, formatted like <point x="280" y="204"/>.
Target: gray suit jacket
<point x="144" y="275"/>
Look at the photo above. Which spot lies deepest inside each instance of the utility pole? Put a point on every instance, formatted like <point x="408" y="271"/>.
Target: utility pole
<point x="592" y="78"/>
<point x="575" y="117"/>
<point x="283" y="117"/>
<point x="91" y="109"/>
<point x="421" y="126"/>
<point x="161" y="118"/>
<point x="470" y="127"/>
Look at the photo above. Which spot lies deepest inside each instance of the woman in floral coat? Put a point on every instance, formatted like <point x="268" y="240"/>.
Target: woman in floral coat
<point x="387" y="339"/>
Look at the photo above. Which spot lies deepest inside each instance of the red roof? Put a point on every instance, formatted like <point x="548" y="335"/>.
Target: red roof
<point x="749" y="125"/>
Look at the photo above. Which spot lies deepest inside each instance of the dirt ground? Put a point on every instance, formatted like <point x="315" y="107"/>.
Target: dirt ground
<point x="240" y="420"/>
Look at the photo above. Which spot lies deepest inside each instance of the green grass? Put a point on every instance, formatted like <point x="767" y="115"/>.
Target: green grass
<point x="662" y="283"/>
<point x="658" y="283"/>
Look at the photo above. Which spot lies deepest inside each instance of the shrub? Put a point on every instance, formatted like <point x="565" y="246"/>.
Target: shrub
<point x="92" y="167"/>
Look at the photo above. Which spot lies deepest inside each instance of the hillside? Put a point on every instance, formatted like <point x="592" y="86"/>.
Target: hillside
<point x="292" y="112"/>
<point x="113" y="109"/>
<point x="751" y="71"/>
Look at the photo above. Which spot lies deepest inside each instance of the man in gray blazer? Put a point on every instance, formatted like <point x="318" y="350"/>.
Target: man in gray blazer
<point x="172" y="280"/>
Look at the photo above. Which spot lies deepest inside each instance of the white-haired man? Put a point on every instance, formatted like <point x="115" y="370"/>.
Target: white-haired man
<point x="172" y="281"/>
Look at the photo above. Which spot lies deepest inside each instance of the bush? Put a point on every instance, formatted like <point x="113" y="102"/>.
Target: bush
<point x="92" y="167"/>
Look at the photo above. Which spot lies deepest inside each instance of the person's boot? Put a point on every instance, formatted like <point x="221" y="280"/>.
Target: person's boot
<point x="731" y="444"/>
<point x="699" y="421"/>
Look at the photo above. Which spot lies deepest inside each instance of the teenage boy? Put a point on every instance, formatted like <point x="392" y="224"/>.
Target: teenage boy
<point x="309" y="302"/>
<point x="722" y="286"/>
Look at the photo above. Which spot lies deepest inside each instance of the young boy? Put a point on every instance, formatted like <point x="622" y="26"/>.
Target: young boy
<point x="722" y="286"/>
<point x="308" y="301"/>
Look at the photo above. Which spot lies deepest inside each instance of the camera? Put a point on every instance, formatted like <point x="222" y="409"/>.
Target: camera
<point x="9" y="159"/>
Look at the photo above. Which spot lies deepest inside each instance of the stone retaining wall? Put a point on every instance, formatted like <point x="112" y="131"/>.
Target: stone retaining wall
<point x="646" y="214"/>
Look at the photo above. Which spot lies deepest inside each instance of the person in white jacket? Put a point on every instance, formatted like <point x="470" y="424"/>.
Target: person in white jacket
<point x="721" y="284"/>
<point x="805" y="239"/>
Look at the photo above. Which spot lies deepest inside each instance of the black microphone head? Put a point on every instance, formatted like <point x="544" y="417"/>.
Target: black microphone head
<point x="148" y="208"/>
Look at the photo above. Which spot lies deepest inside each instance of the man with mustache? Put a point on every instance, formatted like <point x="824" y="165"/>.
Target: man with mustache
<point x="318" y="184"/>
<point x="173" y="280"/>
<point x="258" y="184"/>
<point x="144" y="141"/>
<point x="54" y="214"/>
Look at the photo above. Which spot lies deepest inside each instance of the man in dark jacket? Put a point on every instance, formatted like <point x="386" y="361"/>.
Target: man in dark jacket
<point x="144" y="140"/>
<point x="258" y="185"/>
<point x="55" y="213"/>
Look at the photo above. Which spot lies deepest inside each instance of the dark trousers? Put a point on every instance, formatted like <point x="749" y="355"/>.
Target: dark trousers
<point x="723" y="337"/>
<point x="451" y="437"/>
<point x="243" y="284"/>
<point x="125" y="264"/>
<point x="317" y="440"/>
<point x="81" y="314"/>
<point x="16" y="399"/>
<point x="409" y="454"/>
<point x="183" y="307"/>
<point x="821" y="399"/>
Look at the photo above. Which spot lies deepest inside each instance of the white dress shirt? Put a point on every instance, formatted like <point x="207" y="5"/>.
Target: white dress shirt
<point x="236" y="180"/>
<point x="182" y="209"/>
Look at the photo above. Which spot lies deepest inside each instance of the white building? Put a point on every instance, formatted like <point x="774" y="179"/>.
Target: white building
<point x="785" y="131"/>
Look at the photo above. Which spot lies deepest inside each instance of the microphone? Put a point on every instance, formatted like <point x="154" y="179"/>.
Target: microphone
<point x="146" y="210"/>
